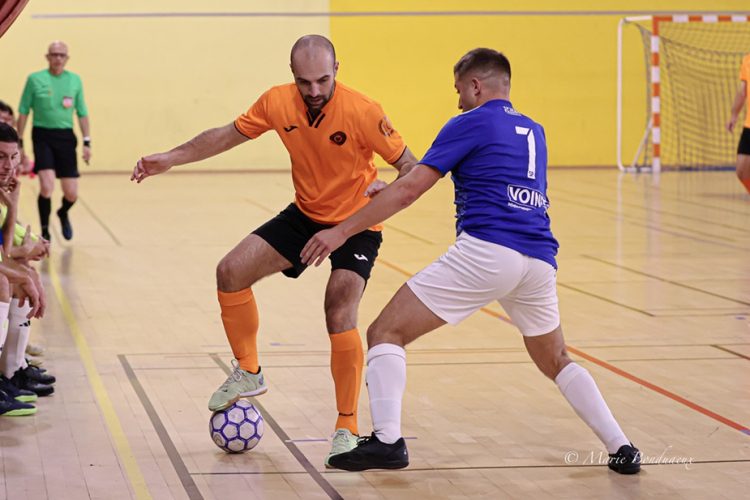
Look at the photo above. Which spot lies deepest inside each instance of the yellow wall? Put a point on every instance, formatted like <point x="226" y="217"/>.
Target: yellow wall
<point x="564" y="66"/>
<point x="152" y="83"/>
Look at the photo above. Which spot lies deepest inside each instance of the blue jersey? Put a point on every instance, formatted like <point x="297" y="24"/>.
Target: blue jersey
<point x="498" y="162"/>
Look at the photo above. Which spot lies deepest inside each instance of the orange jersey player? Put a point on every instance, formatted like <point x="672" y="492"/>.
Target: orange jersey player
<point x="743" y="149"/>
<point x="332" y="133"/>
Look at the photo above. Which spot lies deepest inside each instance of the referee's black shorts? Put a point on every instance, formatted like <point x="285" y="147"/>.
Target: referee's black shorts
<point x="55" y="149"/>
<point x="744" y="147"/>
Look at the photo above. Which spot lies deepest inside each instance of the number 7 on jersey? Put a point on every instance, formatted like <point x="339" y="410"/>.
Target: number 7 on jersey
<point x="532" y="149"/>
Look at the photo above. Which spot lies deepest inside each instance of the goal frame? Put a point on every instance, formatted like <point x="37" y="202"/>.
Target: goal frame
<point x="654" y="124"/>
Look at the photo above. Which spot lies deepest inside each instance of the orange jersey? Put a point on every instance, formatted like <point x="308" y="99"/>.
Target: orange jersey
<point x="745" y="77"/>
<point x="332" y="155"/>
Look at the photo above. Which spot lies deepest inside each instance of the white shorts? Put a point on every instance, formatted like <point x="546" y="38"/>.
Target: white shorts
<point x="474" y="273"/>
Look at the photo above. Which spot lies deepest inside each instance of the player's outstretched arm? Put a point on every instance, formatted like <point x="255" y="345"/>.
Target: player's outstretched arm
<point x="739" y="101"/>
<point x="397" y="196"/>
<point x="209" y="143"/>
<point x="404" y="164"/>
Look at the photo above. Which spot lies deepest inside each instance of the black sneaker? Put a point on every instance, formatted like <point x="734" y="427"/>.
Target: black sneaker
<point x="45" y="233"/>
<point x="9" y="407"/>
<point x="40" y="376"/>
<point x="11" y="390"/>
<point x="371" y="453"/>
<point x="21" y="380"/>
<point x="67" y="229"/>
<point x="627" y="460"/>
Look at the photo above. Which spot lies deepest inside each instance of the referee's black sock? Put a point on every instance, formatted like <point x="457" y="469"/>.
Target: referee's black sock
<point x="45" y="207"/>
<point x="66" y="204"/>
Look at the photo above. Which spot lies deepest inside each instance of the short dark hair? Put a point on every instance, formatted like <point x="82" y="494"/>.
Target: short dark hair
<point x="484" y="61"/>
<point x="8" y="133"/>
<point x="6" y="108"/>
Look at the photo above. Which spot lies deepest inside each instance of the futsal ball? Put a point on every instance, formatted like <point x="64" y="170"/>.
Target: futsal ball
<point x="238" y="428"/>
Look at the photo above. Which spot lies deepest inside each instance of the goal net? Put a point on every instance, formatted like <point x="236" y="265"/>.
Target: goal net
<point x="693" y="74"/>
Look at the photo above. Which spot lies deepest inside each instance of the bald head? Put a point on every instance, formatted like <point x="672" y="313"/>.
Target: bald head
<point x="57" y="46"/>
<point x="314" y="66"/>
<point x="57" y="56"/>
<point x="313" y="47"/>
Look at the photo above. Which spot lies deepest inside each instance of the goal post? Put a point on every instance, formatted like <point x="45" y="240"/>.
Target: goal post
<point x="692" y="72"/>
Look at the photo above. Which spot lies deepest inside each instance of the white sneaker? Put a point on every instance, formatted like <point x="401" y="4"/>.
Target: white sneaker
<point x="343" y="441"/>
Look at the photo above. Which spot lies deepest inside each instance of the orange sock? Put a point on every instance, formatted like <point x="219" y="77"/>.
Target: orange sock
<point x="347" y="361"/>
<point x="240" y="316"/>
<point x="746" y="183"/>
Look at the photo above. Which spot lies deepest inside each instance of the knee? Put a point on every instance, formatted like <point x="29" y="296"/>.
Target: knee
<point x="340" y="317"/>
<point x="226" y="277"/>
<point x="46" y="190"/>
<point x="380" y="333"/>
<point x="552" y="365"/>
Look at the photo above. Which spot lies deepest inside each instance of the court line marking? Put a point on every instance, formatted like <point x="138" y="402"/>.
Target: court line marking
<point x="650" y="210"/>
<point x="101" y="222"/>
<point x="166" y="441"/>
<point x="605" y="299"/>
<point x="295" y="451"/>
<point x="496" y="467"/>
<point x="664" y="280"/>
<point x="122" y="446"/>
<point x="663" y="392"/>
<point x="382" y="14"/>
<point x="730" y="351"/>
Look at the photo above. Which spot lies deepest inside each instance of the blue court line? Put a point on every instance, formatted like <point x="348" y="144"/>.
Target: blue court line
<point x="278" y="344"/>
<point x="461" y="13"/>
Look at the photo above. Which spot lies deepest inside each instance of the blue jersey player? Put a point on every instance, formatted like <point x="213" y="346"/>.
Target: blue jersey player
<point x="504" y="252"/>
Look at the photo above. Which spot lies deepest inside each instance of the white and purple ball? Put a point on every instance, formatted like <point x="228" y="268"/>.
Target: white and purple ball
<point x="238" y="428"/>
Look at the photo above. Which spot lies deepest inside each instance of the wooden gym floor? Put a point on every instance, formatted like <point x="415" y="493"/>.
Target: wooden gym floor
<point x="654" y="285"/>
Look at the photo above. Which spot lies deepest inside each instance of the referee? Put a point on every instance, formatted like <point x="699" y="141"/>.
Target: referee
<point x="53" y="94"/>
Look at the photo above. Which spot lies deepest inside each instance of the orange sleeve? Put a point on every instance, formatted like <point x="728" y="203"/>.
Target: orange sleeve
<point x="745" y="71"/>
<point x="380" y="136"/>
<point x="255" y="122"/>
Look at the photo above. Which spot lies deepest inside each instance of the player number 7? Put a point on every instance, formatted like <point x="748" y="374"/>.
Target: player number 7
<point x="532" y="149"/>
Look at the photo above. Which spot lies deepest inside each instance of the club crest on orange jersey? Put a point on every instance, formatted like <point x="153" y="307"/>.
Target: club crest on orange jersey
<point x="338" y="138"/>
<point x="385" y="126"/>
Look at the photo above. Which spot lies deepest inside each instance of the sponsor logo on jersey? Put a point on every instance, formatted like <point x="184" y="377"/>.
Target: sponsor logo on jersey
<point x="526" y="198"/>
<point x="290" y="128"/>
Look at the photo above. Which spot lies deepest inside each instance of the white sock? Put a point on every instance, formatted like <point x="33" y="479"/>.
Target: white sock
<point x="13" y="356"/>
<point x="579" y="388"/>
<point x="4" y="307"/>
<point x="386" y="381"/>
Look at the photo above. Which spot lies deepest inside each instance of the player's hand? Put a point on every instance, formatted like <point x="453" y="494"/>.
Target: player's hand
<point x="27" y="291"/>
<point x="321" y="245"/>
<point x="732" y="122"/>
<point x="87" y="154"/>
<point x="374" y="188"/>
<point x="150" y="165"/>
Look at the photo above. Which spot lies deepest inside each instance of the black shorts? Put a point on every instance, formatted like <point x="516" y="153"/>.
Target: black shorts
<point x="744" y="147"/>
<point x="55" y="149"/>
<point x="289" y="232"/>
